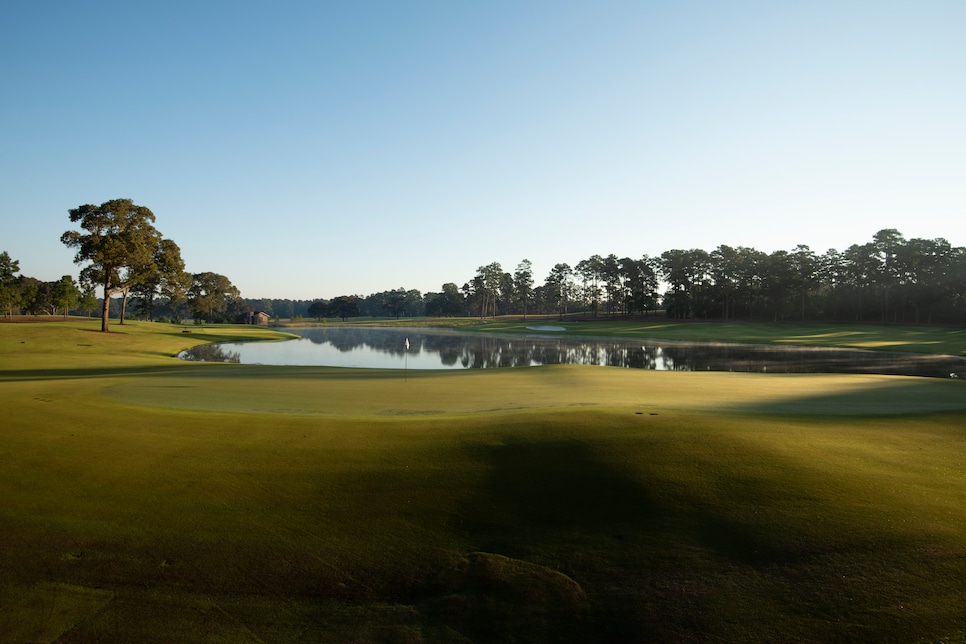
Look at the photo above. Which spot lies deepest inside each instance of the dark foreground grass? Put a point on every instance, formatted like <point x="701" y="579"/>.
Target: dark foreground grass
<point x="621" y="514"/>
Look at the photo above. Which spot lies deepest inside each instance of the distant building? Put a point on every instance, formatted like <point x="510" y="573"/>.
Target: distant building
<point x="257" y="317"/>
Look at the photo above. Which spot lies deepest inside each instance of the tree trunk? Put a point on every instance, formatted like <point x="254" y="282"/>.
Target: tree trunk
<point x="107" y="307"/>
<point x="123" y="305"/>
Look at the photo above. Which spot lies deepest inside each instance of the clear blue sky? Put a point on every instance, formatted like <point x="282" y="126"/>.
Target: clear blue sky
<point x="314" y="149"/>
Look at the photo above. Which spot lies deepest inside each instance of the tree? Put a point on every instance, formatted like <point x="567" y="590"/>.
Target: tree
<point x="164" y="275"/>
<point x="725" y="266"/>
<point x="926" y="267"/>
<point x="523" y="282"/>
<point x="591" y="271"/>
<point x="413" y="303"/>
<point x="34" y="295"/>
<point x="779" y="282"/>
<point x="506" y="293"/>
<point x="142" y="270"/>
<point x="486" y="286"/>
<point x="831" y="276"/>
<point x="886" y="244"/>
<point x="211" y="295"/>
<point x="118" y="237"/>
<point x="859" y="275"/>
<point x="88" y="301"/>
<point x="446" y="304"/>
<point x="320" y="308"/>
<point x="614" y="278"/>
<point x="395" y="302"/>
<point x="9" y="293"/>
<point x="559" y="287"/>
<point x="686" y="272"/>
<point x="640" y="279"/>
<point x="805" y="265"/>
<point x="344" y="306"/>
<point x="64" y="294"/>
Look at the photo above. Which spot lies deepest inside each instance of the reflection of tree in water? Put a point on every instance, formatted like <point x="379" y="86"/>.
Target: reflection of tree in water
<point x="210" y="353"/>
<point x="351" y="339"/>
<point x="481" y="351"/>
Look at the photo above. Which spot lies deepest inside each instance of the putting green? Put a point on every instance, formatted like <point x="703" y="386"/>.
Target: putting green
<point x="318" y="390"/>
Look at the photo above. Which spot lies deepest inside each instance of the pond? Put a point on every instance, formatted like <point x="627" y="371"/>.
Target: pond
<point x="386" y="348"/>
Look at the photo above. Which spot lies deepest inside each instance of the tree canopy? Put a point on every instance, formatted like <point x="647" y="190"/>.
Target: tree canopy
<point x="214" y="298"/>
<point x="116" y="241"/>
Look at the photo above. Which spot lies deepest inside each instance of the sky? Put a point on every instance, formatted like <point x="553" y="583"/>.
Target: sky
<point x="315" y="149"/>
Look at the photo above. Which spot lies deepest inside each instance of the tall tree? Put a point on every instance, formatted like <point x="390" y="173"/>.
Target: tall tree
<point x="860" y="271"/>
<point x="486" y="286"/>
<point x="613" y="277"/>
<point x="448" y="303"/>
<point x="64" y="294"/>
<point x="523" y="282"/>
<point x="413" y="303"/>
<point x="34" y="295"/>
<point x="725" y="266"/>
<point x="395" y="302"/>
<point x="805" y="265"/>
<point x="831" y="277"/>
<point x="320" y="308"/>
<point x="118" y="236"/>
<point x="163" y="275"/>
<point x="687" y="273"/>
<point x="886" y="244"/>
<point x="641" y="283"/>
<point x="925" y="264"/>
<point x="558" y="287"/>
<point x="211" y="295"/>
<point x="344" y="306"/>
<point x="591" y="272"/>
<point x="9" y="293"/>
<point x="88" y="300"/>
<point x="779" y="282"/>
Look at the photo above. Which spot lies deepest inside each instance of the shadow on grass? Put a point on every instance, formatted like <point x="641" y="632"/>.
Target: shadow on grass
<point x="696" y="544"/>
<point x="552" y="486"/>
<point x="898" y="397"/>
<point x="536" y="497"/>
<point x="220" y="370"/>
<point x="15" y="375"/>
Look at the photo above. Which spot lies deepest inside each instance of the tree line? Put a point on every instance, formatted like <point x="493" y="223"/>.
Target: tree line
<point x="889" y="279"/>
<point x="124" y="255"/>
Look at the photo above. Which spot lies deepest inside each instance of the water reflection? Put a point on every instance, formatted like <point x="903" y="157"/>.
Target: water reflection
<point x="211" y="353"/>
<point x="445" y="349"/>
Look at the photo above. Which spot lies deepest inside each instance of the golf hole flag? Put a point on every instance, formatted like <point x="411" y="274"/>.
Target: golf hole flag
<point x="407" y="344"/>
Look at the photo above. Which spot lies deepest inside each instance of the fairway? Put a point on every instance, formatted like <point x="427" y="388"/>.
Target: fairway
<point x="147" y="499"/>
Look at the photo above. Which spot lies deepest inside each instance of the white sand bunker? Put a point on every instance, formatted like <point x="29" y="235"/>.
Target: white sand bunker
<point x="546" y="328"/>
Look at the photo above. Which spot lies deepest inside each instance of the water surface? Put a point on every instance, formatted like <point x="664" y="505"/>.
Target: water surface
<point x="386" y="348"/>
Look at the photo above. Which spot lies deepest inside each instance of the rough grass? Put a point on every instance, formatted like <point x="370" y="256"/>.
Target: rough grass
<point x="232" y="503"/>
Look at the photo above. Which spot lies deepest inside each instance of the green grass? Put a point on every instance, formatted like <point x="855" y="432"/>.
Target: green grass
<point x="914" y="339"/>
<point x="147" y="499"/>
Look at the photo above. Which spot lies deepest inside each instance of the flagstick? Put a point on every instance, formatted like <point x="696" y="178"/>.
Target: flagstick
<point x="406" y="363"/>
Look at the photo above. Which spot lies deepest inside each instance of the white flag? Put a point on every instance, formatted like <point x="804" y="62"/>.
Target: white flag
<point x="407" y="344"/>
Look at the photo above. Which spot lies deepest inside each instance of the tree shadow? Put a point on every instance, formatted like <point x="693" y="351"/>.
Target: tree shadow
<point x="884" y="397"/>
<point x="552" y="487"/>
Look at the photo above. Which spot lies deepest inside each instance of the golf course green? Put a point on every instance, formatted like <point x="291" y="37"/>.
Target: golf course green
<point x="148" y="499"/>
